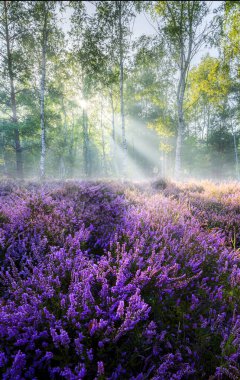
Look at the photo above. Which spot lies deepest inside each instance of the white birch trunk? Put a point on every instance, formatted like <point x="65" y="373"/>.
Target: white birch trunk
<point x="42" y="100"/>
<point x="124" y="141"/>
<point x="103" y="141"/>
<point x="18" y="148"/>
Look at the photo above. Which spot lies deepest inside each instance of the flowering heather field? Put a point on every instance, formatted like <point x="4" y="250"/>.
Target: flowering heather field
<point x="108" y="281"/>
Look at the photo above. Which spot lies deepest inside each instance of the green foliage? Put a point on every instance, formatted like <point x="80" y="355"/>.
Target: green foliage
<point x="210" y="81"/>
<point x="82" y="73"/>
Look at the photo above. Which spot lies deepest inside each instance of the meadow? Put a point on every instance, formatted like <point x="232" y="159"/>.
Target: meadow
<point x="101" y="280"/>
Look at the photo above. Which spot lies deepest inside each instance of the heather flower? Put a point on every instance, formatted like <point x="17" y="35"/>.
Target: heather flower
<point x="120" y="309"/>
<point x="18" y="365"/>
<point x="151" y="330"/>
<point x="90" y="354"/>
<point x="135" y="286"/>
<point x="100" y="370"/>
<point x="194" y="303"/>
<point x="60" y="339"/>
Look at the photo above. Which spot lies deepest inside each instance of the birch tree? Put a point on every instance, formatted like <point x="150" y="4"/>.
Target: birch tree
<point x="47" y="39"/>
<point x="184" y="29"/>
<point x="115" y="20"/>
<point x="86" y="61"/>
<point x="13" y="29"/>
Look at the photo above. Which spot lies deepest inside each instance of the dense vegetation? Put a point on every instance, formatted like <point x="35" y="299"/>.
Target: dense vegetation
<point x="103" y="277"/>
<point x="109" y="281"/>
<point x="86" y="97"/>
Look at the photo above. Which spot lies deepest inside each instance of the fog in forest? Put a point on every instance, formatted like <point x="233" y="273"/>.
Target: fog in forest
<point x="119" y="90"/>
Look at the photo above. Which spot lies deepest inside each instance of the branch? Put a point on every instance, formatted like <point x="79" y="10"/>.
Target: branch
<point x="2" y="55"/>
<point x="185" y="109"/>
<point x="174" y="21"/>
<point x="150" y="23"/>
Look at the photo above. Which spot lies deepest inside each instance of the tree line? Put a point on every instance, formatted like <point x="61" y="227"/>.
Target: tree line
<point x="96" y="101"/>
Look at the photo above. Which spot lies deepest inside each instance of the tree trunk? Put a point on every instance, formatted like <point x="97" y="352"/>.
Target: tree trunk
<point x="71" y="149"/>
<point x="42" y="99"/>
<point x="208" y="123"/>
<point x="235" y="152"/>
<point x="165" y="164"/>
<point x="185" y="59"/>
<point x="236" y="156"/>
<point x="204" y="121"/>
<point x="114" y="146"/>
<point x="103" y="142"/>
<point x="178" y="158"/>
<point x="180" y="96"/>
<point x="18" y="148"/>
<point x="124" y="141"/>
<point x="65" y="127"/>
<point x="63" y="171"/>
<point x="184" y="65"/>
<point x="85" y="145"/>
<point x="113" y="125"/>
